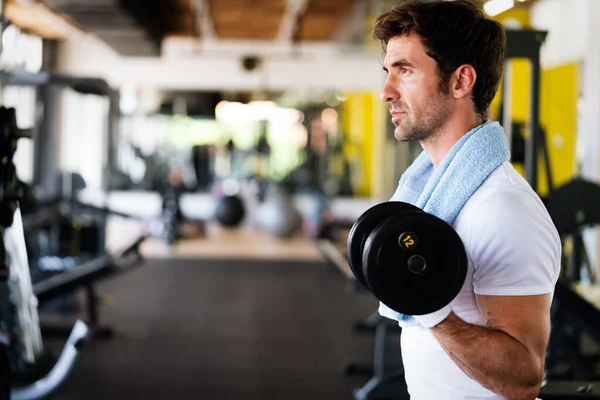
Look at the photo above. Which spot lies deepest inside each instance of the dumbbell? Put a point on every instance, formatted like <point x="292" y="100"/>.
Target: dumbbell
<point x="412" y="261"/>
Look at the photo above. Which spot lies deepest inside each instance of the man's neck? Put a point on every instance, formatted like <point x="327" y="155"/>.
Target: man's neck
<point x="440" y="144"/>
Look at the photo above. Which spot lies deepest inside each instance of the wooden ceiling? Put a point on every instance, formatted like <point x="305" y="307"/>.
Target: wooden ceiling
<point x="246" y="19"/>
<point x="322" y="18"/>
<point x="137" y="27"/>
<point x="125" y="23"/>
<point x="262" y="19"/>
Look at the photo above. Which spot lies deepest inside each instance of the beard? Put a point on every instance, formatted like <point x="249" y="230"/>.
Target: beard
<point x="424" y="120"/>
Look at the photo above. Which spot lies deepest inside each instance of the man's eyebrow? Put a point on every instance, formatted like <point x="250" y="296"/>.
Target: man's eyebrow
<point x="400" y="63"/>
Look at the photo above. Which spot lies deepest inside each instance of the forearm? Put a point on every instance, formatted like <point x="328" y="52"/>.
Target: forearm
<point x="493" y="358"/>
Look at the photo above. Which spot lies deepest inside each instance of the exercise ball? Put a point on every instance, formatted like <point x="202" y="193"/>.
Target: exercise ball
<point x="230" y="211"/>
<point x="277" y="215"/>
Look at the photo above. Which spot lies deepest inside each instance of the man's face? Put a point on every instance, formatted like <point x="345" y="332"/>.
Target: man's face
<point x="418" y="105"/>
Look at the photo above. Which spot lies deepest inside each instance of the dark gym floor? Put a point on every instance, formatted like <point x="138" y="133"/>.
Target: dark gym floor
<point x="200" y="329"/>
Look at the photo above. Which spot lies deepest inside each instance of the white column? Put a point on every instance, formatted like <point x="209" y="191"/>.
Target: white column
<point x="589" y="127"/>
<point x="588" y="131"/>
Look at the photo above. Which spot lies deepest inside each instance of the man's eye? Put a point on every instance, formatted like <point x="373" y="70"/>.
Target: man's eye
<point x="404" y="70"/>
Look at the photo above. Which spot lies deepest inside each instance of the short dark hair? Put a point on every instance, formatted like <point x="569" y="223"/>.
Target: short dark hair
<point x="453" y="33"/>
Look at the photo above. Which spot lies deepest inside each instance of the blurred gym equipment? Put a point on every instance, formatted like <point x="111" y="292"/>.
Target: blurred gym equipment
<point x="34" y="373"/>
<point x="67" y="241"/>
<point x="230" y="210"/>
<point x="67" y="251"/>
<point x="277" y="215"/>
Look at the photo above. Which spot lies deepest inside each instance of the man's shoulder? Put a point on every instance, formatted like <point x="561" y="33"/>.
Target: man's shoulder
<point x="505" y="190"/>
<point x="505" y="180"/>
<point x="504" y="208"/>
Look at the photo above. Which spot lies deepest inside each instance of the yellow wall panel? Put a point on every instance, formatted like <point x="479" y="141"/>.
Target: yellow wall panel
<point x="358" y="125"/>
<point x="558" y="114"/>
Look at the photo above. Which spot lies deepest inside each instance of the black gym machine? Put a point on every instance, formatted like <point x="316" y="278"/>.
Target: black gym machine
<point x="572" y="362"/>
<point x="34" y="372"/>
<point x="28" y="370"/>
<point x="60" y="216"/>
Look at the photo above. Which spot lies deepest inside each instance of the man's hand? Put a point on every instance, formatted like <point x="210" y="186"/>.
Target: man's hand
<point x="506" y="356"/>
<point x="431" y="320"/>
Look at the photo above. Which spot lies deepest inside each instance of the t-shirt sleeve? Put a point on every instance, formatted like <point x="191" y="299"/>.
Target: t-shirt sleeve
<point x="514" y="246"/>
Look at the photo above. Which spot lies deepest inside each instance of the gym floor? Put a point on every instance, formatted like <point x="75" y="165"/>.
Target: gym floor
<point x="226" y="325"/>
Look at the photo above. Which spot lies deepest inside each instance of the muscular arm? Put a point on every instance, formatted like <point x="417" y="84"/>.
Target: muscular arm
<point x="506" y="356"/>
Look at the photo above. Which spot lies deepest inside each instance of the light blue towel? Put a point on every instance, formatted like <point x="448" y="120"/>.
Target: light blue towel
<point x="444" y="191"/>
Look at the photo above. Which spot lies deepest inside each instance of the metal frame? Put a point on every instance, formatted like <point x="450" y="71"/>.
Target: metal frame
<point x="527" y="43"/>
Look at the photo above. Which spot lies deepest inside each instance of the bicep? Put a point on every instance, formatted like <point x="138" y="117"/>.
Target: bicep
<point x="524" y="318"/>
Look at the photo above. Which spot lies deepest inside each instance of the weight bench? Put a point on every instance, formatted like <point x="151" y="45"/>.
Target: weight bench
<point x="84" y="276"/>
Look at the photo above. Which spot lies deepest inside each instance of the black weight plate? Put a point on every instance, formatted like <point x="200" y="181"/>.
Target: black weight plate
<point x="364" y="225"/>
<point x="389" y="278"/>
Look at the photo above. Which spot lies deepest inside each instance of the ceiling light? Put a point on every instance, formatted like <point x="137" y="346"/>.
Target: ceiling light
<point x="495" y="7"/>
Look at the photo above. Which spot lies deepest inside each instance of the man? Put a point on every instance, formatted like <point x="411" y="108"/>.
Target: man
<point x="443" y="63"/>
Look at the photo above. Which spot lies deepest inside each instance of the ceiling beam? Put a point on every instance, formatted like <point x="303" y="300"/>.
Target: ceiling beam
<point x="204" y="24"/>
<point x="79" y="3"/>
<point x="38" y="19"/>
<point x="223" y="73"/>
<point x="290" y="21"/>
<point x="103" y="20"/>
<point x="354" y="24"/>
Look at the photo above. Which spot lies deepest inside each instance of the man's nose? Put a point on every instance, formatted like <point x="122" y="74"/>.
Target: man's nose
<point x="389" y="93"/>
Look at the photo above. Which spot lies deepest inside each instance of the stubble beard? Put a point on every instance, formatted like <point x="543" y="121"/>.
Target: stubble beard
<point x="432" y="116"/>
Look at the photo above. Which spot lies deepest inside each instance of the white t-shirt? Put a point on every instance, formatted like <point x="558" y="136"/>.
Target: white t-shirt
<point x="513" y="248"/>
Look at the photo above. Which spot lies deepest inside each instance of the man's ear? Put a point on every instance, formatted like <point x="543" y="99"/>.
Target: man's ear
<point x="463" y="81"/>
